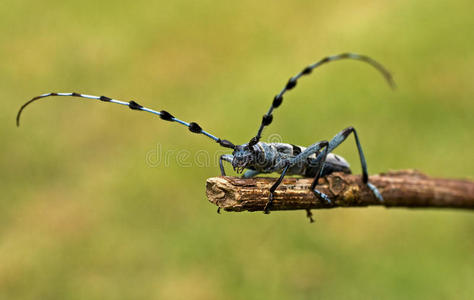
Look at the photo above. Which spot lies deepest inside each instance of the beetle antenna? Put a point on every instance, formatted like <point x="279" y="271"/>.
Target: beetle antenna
<point x="268" y="117"/>
<point x="164" y="115"/>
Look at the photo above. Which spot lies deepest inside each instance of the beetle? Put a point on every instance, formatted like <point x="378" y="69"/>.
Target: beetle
<point x="257" y="157"/>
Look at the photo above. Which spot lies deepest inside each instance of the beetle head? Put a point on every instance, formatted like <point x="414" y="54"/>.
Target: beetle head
<point x="244" y="156"/>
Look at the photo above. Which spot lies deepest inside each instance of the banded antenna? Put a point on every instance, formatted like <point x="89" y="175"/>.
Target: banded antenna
<point x="164" y="115"/>
<point x="268" y="117"/>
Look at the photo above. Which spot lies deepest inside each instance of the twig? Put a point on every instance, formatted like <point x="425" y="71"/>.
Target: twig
<point x="406" y="188"/>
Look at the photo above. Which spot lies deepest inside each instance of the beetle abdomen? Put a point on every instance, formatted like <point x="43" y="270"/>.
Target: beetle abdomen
<point x="334" y="163"/>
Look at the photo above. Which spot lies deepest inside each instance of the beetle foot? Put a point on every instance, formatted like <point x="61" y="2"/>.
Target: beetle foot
<point x="322" y="196"/>
<point x="376" y="192"/>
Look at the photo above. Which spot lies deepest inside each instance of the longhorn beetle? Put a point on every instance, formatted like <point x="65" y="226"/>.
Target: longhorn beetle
<point x="259" y="157"/>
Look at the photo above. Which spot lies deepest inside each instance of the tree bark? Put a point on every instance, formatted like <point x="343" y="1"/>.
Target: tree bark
<point x="405" y="188"/>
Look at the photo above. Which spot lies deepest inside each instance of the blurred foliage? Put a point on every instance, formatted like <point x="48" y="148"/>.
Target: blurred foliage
<point x="83" y="216"/>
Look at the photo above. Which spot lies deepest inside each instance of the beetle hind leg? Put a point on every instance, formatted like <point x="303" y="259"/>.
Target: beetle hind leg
<point x="341" y="137"/>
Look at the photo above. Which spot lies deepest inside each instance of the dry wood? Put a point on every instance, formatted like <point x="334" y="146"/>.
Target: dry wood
<point x="406" y="188"/>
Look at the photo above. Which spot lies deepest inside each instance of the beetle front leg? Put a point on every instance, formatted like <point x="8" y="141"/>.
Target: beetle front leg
<point x="224" y="157"/>
<point x="228" y="158"/>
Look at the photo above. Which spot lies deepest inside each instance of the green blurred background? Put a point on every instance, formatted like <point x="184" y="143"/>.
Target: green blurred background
<point x="84" y="216"/>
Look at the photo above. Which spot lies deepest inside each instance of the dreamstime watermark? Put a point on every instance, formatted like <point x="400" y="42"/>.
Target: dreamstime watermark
<point x="185" y="158"/>
<point x="274" y="138"/>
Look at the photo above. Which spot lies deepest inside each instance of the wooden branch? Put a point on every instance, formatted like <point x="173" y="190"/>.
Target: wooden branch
<point x="406" y="188"/>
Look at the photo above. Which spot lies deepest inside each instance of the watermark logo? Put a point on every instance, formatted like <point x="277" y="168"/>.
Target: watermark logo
<point x="157" y="157"/>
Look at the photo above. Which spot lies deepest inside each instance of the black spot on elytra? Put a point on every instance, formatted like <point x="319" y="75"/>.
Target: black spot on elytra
<point x="296" y="150"/>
